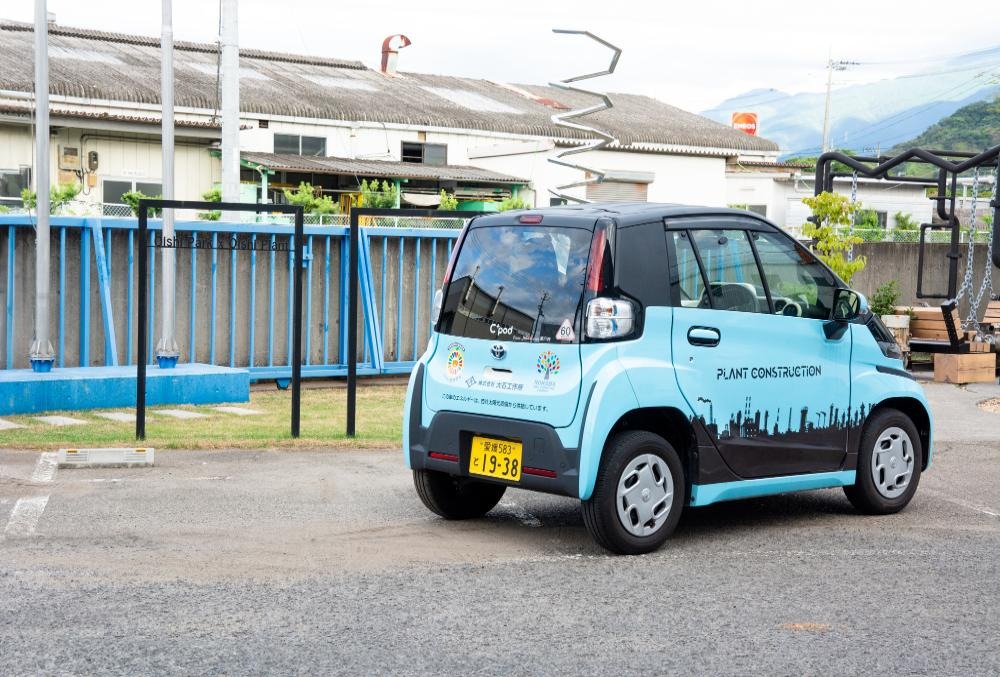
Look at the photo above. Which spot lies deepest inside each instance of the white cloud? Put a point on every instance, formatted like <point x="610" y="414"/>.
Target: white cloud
<point x="692" y="55"/>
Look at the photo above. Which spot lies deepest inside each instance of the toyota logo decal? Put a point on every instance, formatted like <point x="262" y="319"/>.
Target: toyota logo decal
<point x="498" y="351"/>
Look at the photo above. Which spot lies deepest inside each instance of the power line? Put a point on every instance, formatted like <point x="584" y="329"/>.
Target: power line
<point x="903" y="115"/>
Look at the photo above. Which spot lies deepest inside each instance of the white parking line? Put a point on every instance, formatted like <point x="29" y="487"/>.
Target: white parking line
<point x="964" y="504"/>
<point x="24" y="517"/>
<point x="45" y="469"/>
<point x="28" y="510"/>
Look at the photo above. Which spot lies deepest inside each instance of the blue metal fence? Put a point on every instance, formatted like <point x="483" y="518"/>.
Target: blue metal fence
<point x="233" y="306"/>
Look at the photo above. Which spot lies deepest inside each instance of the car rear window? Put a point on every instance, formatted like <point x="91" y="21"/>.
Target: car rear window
<point x="518" y="283"/>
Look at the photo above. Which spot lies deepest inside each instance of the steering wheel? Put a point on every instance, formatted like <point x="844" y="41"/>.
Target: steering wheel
<point x="792" y="309"/>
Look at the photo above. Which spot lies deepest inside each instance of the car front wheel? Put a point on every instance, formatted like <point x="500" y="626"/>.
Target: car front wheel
<point x="889" y="463"/>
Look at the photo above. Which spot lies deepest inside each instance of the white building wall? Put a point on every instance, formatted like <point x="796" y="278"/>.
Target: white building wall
<point x="685" y="179"/>
<point x="120" y="157"/>
<point x="15" y="147"/>
<point x="885" y="197"/>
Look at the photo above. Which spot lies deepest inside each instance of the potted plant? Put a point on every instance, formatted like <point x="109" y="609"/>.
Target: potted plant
<point x="896" y="319"/>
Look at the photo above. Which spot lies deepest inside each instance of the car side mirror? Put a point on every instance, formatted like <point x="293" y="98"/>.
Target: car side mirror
<point x="847" y="305"/>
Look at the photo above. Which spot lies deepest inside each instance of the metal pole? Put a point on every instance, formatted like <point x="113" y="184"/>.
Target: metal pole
<point x="230" y="106"/>
<point x="41" y="355"/>
<point x="352" y="327"/>
<point x="166" y="349"/>
<point x="297" y="324"/>
<point x="826" y="113"/>
<point x="142" y="333"/>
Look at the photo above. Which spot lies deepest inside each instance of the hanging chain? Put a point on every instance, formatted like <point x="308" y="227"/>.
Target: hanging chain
<point x="854" y="215"/>
<point x="970" y="258"/>
<point x="987" y="285"/>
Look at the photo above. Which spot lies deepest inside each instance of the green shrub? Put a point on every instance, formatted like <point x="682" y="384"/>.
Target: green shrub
<point x="448" y="201"/>
<point x="132" y="198"/>
<point x="211" y="195"/>
<point x="513" y="202"/>
<point x="59" y="196"/>
<point x="311" y="199"/>
<point x="885" y="299"/>
<point x="372" y="196"/>
<point x="905" y="221"/>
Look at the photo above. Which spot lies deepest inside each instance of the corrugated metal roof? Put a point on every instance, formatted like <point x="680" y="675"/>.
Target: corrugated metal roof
<point x="277" y="84"/>
<point x="378" y="168"/>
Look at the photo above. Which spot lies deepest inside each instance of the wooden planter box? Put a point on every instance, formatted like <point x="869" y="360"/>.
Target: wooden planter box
<point x="965" y="368"/>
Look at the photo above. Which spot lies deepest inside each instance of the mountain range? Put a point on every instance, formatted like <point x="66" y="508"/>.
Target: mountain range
<point x="873" y="115"/>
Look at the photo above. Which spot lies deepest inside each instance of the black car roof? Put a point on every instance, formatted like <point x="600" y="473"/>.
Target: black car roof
<point x="624" y="213"/>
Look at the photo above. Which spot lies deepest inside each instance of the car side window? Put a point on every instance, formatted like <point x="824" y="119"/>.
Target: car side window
<point x="688" y="279"/>
<point x="734" y="281"/>
<point x="800" y="286"/>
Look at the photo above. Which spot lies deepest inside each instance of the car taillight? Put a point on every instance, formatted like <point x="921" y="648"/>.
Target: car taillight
<point x="595" y="272"/>
<point x="609" y="318"/>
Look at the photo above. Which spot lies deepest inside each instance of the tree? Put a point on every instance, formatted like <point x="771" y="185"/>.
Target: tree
<point x="448" y="201"/>
<point x="513" y="202"/>
<point x="832" y="212"/>
<point x="211" y="195"/>
<point x="372" y="196"/>
<point x="905" y="221"/>
<point x="132" y="198"/>
<point x="59" y="196"/>
<point x="311" y="199"/>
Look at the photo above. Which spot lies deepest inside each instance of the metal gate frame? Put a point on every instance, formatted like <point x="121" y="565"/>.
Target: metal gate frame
<point x="352" y="294"/>
<point x="145" y="204"/>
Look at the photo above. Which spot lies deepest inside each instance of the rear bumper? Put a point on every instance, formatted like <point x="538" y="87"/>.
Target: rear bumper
<point x="450" y="433"/>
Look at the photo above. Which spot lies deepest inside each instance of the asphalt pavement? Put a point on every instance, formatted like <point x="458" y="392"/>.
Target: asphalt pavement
<point x="325" y="562"/>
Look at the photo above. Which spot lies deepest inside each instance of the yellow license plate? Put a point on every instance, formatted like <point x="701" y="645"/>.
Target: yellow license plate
<point x="495" y="458"/>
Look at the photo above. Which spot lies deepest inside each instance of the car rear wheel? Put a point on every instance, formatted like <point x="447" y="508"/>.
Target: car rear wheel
<point x="456" y="498"/>
<point x="889" y="463"/>
<point x="639" y="494"/>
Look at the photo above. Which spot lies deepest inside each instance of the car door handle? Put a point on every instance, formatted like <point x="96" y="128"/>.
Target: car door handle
<point x="704" y="336"/>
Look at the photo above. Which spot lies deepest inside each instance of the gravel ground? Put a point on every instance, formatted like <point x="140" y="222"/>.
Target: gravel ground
<point x="317" y="561"/>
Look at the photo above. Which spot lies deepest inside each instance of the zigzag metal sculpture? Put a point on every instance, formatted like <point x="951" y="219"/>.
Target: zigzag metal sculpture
<point x="564" y="120"/>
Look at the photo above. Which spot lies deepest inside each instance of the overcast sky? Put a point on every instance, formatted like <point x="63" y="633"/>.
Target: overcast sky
<point x="690" y="54"/>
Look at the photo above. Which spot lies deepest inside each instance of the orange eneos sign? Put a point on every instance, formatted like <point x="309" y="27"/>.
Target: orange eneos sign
<point x="745" y="122"/>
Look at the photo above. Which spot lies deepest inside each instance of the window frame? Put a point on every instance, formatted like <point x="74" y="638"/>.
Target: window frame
<point x="750" y="225"/>
<point x="423" y="154"/>
<point x="274" y="141"/>
<point x="23" y="172"/>
<point x="132" y="181"/>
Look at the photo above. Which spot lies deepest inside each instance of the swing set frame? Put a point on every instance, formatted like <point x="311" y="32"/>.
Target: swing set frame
<point x="950" y="164"/>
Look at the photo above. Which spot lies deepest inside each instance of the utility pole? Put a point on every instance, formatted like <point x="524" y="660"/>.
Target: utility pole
<point x="166" y="349"/>
<point x="230" y="105"/>
<point x="41" y="355"/>
<point x="831" y="65"/>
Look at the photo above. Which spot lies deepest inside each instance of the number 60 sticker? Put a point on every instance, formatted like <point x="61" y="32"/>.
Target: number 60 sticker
<point x="565" y="332"/>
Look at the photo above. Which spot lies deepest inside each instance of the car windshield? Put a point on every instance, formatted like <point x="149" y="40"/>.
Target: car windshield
<point x="518" y="283"/>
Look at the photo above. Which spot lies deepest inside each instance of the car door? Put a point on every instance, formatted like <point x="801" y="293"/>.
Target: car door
<point x="750" y="353"/>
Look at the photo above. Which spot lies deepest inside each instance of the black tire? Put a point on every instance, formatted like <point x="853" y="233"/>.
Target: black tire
<point x="865" y="495"/>
<point x="456" y="498"/>
<point x="600" y="511"/>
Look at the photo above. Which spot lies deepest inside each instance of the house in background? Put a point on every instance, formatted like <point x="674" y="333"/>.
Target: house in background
<point x="335" y="122"/>
<point x="775" y="190"/>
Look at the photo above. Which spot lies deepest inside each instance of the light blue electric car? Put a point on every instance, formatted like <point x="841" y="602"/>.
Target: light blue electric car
<point x="646" y="357"/>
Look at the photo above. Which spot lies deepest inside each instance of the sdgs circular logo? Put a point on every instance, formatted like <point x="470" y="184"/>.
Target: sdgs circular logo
<point x="454" y="361"/>
<point x="548" y="364"/>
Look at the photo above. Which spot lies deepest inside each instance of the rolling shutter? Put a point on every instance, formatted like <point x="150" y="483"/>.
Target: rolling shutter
<point x="615" y="191"/>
